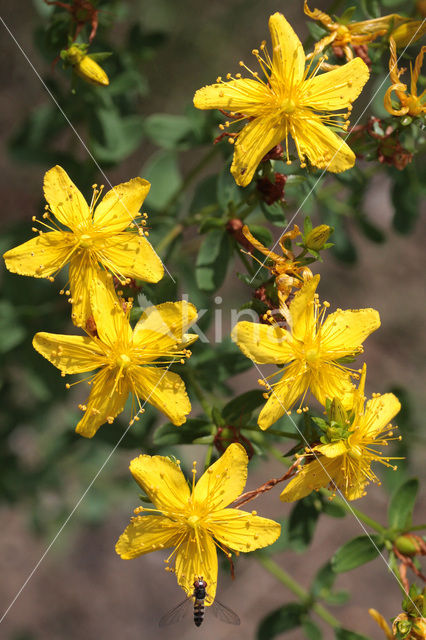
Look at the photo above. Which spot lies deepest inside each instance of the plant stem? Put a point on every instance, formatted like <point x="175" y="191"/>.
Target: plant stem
<point x="199" y="393"/>
<point x="291" y="584"/>
<point x="169" y="237"/>
<point x="190" y="177"/>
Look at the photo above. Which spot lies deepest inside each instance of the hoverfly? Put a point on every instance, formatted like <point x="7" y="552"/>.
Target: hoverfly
<point x="199" y="595"/>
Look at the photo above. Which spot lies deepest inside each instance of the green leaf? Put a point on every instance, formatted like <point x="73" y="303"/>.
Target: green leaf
<point x="204" y="194"/>
<point x="166" y="130"/>
<point x="402" y="504"/>
<point x="241" y="407"/>
<point x="370" y="230"/>
<point x="346" y="634"/>
<point x="170" y="434"/>
<point x="11" y="331"/>
<point x="114" y="137"/>
<point x="213" y="259"/>
<point x="323" y="581"/>
<point x="312" y="630"/>
<point x="356" y="552"/>
<point x="302" y="522"/>
<point x="163" y="173"/>
<point x="228" y="192"/>
<point x="262" y="234"/>
<point x="281" y="620"/>
<point x="405" y="199"/>
<point x="274" y="213"/>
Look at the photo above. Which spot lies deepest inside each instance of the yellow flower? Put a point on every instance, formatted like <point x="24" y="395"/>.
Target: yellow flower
<point x="96" y="235"/>
<point x="311" y="350"/>
<point x="84" y="65"/>
<point x="193" y="522"/>
<point x="344" y="459"/>
<point x="126" y="359"/>
<point x="410" y="103"/>
<point x="287" y="103"/>
<point x="345" y="35"/>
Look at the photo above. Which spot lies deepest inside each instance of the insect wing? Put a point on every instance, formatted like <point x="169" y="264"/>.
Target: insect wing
<point x="223" y="613"/>
<point x="177" y="614"/>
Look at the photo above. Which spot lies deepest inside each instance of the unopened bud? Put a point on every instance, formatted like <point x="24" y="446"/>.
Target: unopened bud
<point x="337" y="412"/>
<point x="408" y="545"/>
<point x="317" y="237"/>
<point x="408" y="32"/>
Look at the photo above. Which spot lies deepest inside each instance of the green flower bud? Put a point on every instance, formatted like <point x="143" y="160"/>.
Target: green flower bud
<point x="317" y="237"/>
<point x="337" y="412"/>
<point x="408" y="545"/>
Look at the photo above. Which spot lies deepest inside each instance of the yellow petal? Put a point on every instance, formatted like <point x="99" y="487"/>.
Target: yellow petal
<point x="302" y="310"/>
<point x="379" y="412"/>
<point x="41" y="256"/>
<point x="197" y="557"/>
<point x="325" y="149"/>
<point x="264" y="344"/>
<point x="335" y="89"/>
<point x="344" y="331"/>
<point x="120" y="206"/>
<point x="90" y="71"/>
<point x="288" y="55"/>
<point x="163" y="482"/>
<point x="382" y="623"/>
<point x="331" y="381"/>
<point x="164" y="390"/>
<point x="146" y="534"/>
<point x="312" y="476"/>
<point x="70" y="354"/>
<point x="129" y="255"/>
<point x="66" y="201"/>
<point x="105" y="402"/>
<point x="377" y="26"/>
<point x="255" y="140"/>
<point x="224" y="480"/>
<point x="242" y="531"/>
<point x="407" y="33"/>
<point x="170" y="320"/>
<point x="82" y="272"/>
<point x="333" y="449"/>
<point x="292" y="385"/>
<point x="111" y="322"/>
<point x="243" y="96"/>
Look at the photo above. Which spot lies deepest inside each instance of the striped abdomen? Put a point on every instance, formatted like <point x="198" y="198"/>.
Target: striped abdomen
<point x="198" y="612"/>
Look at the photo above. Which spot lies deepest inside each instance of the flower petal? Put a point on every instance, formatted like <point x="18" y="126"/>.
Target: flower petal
<point x="284" y="394"/>
<point x="324" y="148"/>
<point x="312" y="476"/>
<point x="129" y="255"/>
<point x="82" y="272"/>
<point x="242" y="531"/>
<point x="66" y="201"/>
<point x="288" y="55"/>
<point x="379" y="411"/>
<point x="255" y="140"/>
<point x="302" y="310"/>
<point x="264" y="344"/>
<point x="146" y="534"/>
<point x="169" y="320"/>
<point x="344" y="331"/>
<point x="331" y="381"/>
<point x="70" y="354"/>
<point x="333" y="449"/>
<point x="42" y="256"/>
<point x="243" y="96"/>
<point x="120" y="206"/>
<point x="105" y="402"/>
<point x="163" y="482"/>
<point x="224" y="480"/>
<point x="335" y="89"/>
<point x="112" y="323"/>
<point x="197" y="557"/>
<point x="164" y="390"/>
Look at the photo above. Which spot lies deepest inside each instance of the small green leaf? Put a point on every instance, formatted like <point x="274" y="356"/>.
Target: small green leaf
<point x="281" y="620"/>
<point x="402" y="504"/>
<point x="212" y="260"/>
<point x="170" y="434"/>
<point x="241" y="407"/>
<point x="166" y="130"/>
<point x="302" y="522"/>
<point x="346" y="634"/>
<point x="312" y="630"/>
<point x="323" y="581"/>
<point x="163" y="173"/>
<point x="228" y="192"/>
<point x="356" y="552"/>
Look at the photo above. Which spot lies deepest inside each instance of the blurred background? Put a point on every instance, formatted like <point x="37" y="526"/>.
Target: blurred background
<point x="162" y="52"/>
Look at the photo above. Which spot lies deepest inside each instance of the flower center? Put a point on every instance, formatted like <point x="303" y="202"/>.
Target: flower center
<point x="288" y="106"/>
<point x="343" y="35"/>
<point x="414" y="105"/>
<point x="86" y="241"/>
<point x="312" y="356"/>
<point x="123" y="361"/>
<point x="193" y="521"/>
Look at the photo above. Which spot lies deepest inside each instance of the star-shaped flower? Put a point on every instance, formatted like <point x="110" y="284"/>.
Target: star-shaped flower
<point x="93" y="236"/>
<point x="287" y="103"/>
<point x="311" y="351"/>
<point x="348" y="448"/>
<point x="410" y="103"/>
<point x="127" y="361"/>
<point x="194" y="521"/>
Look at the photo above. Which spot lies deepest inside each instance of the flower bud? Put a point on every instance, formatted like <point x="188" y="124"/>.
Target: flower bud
<point x="317" y="237"/>
<point x="84" y="65"/>
<point x="337" y="412"/>
<point x="408" y="545"/>
<point x="408" y="32"/>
